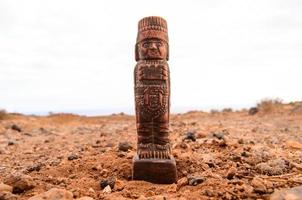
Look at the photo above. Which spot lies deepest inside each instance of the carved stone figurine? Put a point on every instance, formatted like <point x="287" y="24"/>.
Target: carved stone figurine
<point x="153" y="161"/>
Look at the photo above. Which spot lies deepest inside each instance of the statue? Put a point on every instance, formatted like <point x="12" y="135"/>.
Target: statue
<point x="153" y="161"/>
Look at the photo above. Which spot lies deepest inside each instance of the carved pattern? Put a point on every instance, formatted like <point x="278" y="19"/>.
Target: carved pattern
<point x="152" y="89"/>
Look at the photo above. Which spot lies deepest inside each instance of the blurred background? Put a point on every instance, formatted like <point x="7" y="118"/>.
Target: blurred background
<point x="78" y="56"/>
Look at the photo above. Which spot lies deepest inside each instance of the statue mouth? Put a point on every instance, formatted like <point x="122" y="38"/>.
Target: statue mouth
<point x="154" y="53"/>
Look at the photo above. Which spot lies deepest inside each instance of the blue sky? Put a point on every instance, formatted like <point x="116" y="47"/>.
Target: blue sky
<point x="78" y="56"/>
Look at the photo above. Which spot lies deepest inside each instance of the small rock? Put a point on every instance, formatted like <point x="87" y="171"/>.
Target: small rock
<point x="240" y="141"/>
<point x="54" y="194"/>
<point x="294" y="193"/>
<point x="105" y="182"/>
<point x="35" y="167"/>
<point x="16" y="128"/>
<point x="258" y="185"/>
<point x="231" y="173"/>
<point x="124" y="146"/>
<point x="119" y="185"/>
<point x="11" y="142"/>
<point x="20" y="182"/>
<point x="182" y="182"/>
<point x="273" y="167"/>
<point x="172" y="188"/>
<point x="195" y="180"/>
<point x="104" y="172"/>
<point x="73" y="157"/>
<point x="294" y="145"/>
<point x="5" y="188"/>
<point x="219" y="135"/>
<point x="253" y="111"/>
<point x="190" y="135"/>
<point x="121" y="154"/>
<point x="91" y="191"/>
<point x="244" y="154"/>
<point x="209" y="193"/>
<point x="107" y="189"/>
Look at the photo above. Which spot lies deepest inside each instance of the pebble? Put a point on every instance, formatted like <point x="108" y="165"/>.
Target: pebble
<point x="20" y="182"/>
<point x="273" y="167"/>
<point x="294" y="145"/>
<point x="54" y="194"/>
<point x="294" y="193"/>
<point x="107" y="189"/>
<point x="11" y="142"/>
<point x="258" y="185"/>
<point x="195" y="180"/>
<point x="253" y="111"/>
<point x="124" y="146"/>
<point x="190" y="135"/>
<point x="119" y="185"/>
<point x="231" y="172"/>
<point x="219" y="135"/>
<point x="182" y="182"/>
<point x="73" y="157"/>
<point x="35" y="167"/>
<point x="105" y="182"/>
<point x="5" y="188"/>
<point x="16" y="128"/>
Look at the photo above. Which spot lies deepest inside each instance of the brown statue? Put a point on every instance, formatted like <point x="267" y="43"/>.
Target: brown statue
<point x="153" y="161"/>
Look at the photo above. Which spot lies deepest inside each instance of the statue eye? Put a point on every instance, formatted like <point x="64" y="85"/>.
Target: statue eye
<point x="159" y="44"/>
<point x="146" y="45"/>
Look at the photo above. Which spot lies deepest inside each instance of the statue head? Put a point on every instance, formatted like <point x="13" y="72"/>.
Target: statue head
<point x="152" y="39"/>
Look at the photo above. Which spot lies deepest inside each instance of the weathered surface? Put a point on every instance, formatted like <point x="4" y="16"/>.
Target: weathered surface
<point x="152" y="103"/>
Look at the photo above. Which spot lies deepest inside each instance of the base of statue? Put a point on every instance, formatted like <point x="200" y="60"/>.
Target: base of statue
<point x="162" y="171"/>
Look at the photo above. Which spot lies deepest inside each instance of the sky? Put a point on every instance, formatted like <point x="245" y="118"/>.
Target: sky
<point x="78" y="56"/>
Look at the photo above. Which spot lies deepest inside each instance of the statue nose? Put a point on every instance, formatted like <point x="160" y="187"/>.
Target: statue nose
<point x="153" y="46"/>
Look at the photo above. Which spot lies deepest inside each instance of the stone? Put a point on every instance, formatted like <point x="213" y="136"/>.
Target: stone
<point x="72" y="157"/>
<point x="273" y="167"/>
<point x="5" y="188"/>
<point x="253" y="111"/>
<point x="34" y="167"/>
<point x="124" y="146"/>
<point x="195" y="180"/>
<point x="20" y="182"/>
<point x="258" y="185"/>
<point x="16" y="128"/>
<point x="119" y="185"/>
<point x="105" y="182"/>
<point x="291" y="144"/>
<point x="219" y="135"/>
<point x="190" y="135"/>
<point x="54" y="194"/>
<point x="107" y="189"/>
<point x="294" y="193"/>
<point x="231" y="172"/>
<point x="182" y="182"/>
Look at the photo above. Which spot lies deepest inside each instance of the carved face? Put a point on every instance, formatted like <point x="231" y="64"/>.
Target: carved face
<point x="152" y="49"/>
